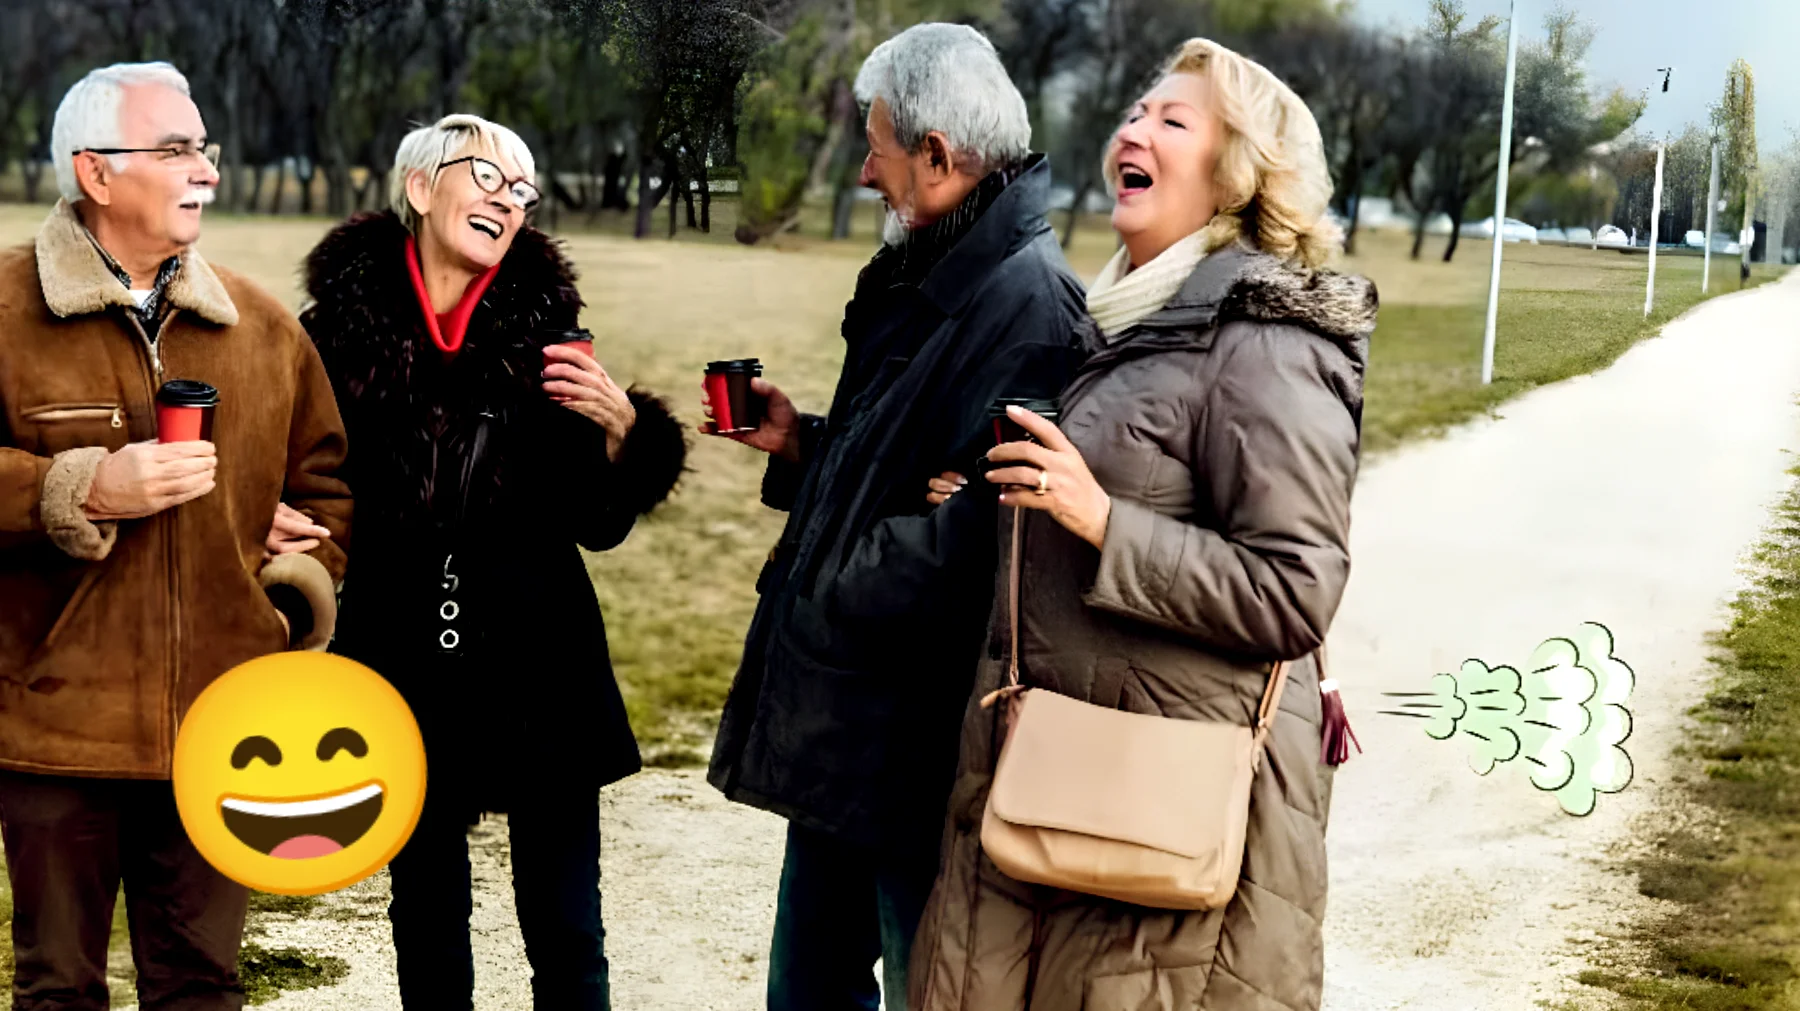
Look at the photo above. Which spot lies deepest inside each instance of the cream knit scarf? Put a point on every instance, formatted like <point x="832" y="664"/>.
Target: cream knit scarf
<point x="1120" y="296"/>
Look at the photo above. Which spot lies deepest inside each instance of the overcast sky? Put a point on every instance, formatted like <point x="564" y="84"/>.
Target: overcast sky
<point x="1700" y="38"/>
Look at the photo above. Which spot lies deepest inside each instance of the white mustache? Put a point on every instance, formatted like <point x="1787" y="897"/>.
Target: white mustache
<point x="201" y="195"/>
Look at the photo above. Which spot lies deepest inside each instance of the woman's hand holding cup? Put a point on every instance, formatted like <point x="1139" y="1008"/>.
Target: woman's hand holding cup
<point x="1050" y="475"/>
<point x="779" y="431"/>
<point x="580" y="384"/>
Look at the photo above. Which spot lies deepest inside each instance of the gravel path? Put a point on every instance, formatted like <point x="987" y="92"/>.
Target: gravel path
<point x="1627" y="498"/>
<point x="688" y="884"/>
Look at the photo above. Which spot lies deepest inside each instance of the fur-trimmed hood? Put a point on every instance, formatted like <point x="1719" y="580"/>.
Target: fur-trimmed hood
<point x="1239" y="283"/>
<point x="1267" y="290"/>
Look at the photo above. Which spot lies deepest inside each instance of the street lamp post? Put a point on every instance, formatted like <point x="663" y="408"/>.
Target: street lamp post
<point x="1656" y="208"/>
<point x="1655" y="226"/>
<point x="1712" y="205"/>
<point x="1506" y="123"/>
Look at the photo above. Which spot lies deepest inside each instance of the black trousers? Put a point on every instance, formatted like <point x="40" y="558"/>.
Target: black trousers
<point x="556" y="888"/>
<point x="69" y="843"/>
<point x="842" y="907"/>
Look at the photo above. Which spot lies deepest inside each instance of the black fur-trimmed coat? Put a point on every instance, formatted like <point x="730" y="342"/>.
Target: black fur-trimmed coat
<point x="473" y="490"/>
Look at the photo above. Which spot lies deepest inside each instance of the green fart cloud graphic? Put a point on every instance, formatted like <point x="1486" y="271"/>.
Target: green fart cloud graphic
<point x="1563" y="721"/>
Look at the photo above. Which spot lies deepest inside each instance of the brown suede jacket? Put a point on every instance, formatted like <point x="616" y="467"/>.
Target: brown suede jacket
<point x="108" y="631"/>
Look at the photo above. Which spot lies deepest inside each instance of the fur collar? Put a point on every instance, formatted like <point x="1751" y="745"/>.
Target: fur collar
<point x="77" y="283"/>
<point x="1239" y="283"/>
<point x="368" y="326"/>
<point x="1340" y="306"/>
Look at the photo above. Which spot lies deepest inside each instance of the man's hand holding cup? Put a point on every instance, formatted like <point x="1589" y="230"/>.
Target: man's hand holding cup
<point x="778" y="429"/>
<point x="144" y="478"/>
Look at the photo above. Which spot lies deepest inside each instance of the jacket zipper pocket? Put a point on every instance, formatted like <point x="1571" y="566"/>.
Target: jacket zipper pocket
<point x="78" y="412"/>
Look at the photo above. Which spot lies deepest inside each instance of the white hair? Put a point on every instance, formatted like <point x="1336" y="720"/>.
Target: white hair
<point x="89" y="116"/>
<point x="948" y="78"/>
<point x="455" y="136"/>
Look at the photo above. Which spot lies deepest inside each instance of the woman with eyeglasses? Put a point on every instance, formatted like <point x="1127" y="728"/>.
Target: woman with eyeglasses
<point x="483" y="452"/>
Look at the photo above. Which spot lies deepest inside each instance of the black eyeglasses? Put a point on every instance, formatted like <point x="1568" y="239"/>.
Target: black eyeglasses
<point x="170" y="153"/>
<point x="491" y="180"/>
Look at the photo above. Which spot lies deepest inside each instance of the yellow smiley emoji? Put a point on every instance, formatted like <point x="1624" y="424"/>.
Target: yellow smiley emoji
<point x="299" y="773"/>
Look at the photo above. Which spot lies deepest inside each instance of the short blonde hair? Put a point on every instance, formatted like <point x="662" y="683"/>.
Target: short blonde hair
<point x="455" y="136"/>
<point x="1272" y="182"/>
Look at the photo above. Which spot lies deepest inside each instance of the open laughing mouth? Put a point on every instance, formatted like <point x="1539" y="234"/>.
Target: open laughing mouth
<point x="301" y="829"/>
<point x="1133" y="179"/>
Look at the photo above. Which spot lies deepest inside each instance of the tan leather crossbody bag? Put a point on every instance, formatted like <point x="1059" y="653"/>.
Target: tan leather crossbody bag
<point x="1142" y="809"/>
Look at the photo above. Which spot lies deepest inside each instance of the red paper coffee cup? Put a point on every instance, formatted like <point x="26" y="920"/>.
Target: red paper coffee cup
<point x="735" y="407"/>
<point x="184" y="411"/>
<point x="586" y="347"/>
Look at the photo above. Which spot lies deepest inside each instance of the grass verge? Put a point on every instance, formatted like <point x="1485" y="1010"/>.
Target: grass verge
<point x="1733" y="869"/>
<point x="1425" y="360"/>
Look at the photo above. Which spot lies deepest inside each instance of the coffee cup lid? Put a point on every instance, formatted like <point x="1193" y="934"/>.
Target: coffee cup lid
<point x="751" y="365"/>
<point x="565" y="336"/>
<point x="1044" y="408"/>
<point x="188" y="393"/>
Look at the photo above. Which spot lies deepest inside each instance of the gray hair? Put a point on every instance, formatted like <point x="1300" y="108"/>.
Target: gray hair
<point x="456" y="135"/>
<point x="948" y="78"/>
<point x="89" y="116"/>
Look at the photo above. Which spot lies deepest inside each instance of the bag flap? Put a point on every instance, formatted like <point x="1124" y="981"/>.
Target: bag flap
<point x="1168" y="784"/>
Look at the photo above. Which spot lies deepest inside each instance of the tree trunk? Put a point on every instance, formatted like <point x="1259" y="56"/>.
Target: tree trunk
<point x="232" y="167"/>
<point x="257" y="174"/>
<point x="362" y="192"/>
<point x="1352" y="189"/>
<point x="687" y="196"/>
<point x="281" y="176"/>
<point x="674" y="181"/>
<point x="1081" y="195"/>
<point x="33" y="171"/>
<point x="304" y="174"/>
<point x="1456" y="223"/>
<point x="646" y="200"/>
<point x="706" y="208"/>
<point x="338" y="189"/>
<point x="613" y="193"/>
<point x="842" y="110"/>
<point x="841" y="209"/>
<point x="1418" y="245"/>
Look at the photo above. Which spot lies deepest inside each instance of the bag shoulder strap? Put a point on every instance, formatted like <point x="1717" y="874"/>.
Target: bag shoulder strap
<point x="1012" y="598"/>
<point x="1271" y="697"/>
<point x="1271" y="703"/>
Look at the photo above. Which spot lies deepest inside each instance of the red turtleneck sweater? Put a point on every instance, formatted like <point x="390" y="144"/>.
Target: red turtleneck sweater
<point x="447" y="329"/>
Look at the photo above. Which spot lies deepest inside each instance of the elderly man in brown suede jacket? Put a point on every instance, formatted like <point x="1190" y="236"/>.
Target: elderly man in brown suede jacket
<point x="131" y="573"/>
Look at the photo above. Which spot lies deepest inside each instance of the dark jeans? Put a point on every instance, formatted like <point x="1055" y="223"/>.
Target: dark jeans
<point x="841" y="908"/>
<point x="69" y="842"/>
<point x="556" y="888"/>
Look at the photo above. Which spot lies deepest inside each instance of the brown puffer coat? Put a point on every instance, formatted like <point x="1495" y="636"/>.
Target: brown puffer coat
<point x="1226" y="428"/>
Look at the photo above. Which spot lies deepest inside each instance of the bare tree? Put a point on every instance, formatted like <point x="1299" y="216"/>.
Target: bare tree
<point x="1132" y="39"/>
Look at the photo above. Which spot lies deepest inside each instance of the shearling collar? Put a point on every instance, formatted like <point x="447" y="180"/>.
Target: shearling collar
<point x="1240" y="283"/>
<point x="77" y="282"/>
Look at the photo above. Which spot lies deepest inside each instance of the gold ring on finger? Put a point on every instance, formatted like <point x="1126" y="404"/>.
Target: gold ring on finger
<point x="1043" y="485"/>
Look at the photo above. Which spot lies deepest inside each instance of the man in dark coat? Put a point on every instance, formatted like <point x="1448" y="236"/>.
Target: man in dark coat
<point x="844" y="714"/>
